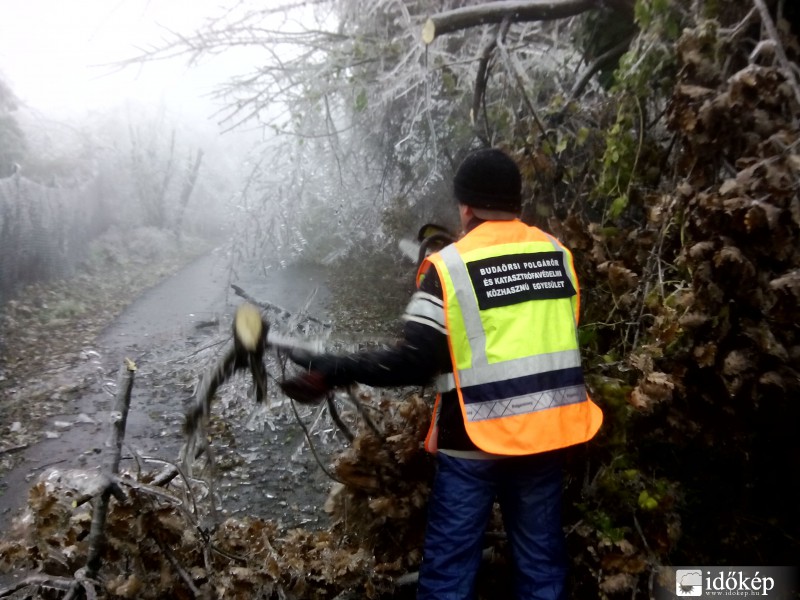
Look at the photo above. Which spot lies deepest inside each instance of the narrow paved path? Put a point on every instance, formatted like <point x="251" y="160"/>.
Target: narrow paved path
<point x="162" y="331"/>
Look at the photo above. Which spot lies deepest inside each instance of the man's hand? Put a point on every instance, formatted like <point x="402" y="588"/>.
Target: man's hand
<point x="302" y="358"/>
<point x="306" y="388"/>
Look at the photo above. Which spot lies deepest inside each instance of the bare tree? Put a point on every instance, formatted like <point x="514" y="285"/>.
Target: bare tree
<point x="372" y="112"/>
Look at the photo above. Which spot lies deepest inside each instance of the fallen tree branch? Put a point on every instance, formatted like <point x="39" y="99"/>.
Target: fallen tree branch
<point x="513" y="67"/>
<point x="112" y="484"/>
<point x="168" y="474"/>
<point x="478" y="94"/>
<point x="13" y="449"/>
<point x="780" y="52"/>
<point x="119" y="420"/>
<point x="56" y="583"/>
<point x="185" y="577"/>
<point x="495" y="12"/>
<point x="282" y="313"/>
<point x="307" y="433"/>
<point x="598" y="63"/>
<point x="97" y="535"/>
<point x="361" y="411"/>
<point x="337" y="419"/>
<point x="81" y="583"/>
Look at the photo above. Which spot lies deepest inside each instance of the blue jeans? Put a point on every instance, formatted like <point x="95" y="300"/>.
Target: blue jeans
<point x="528" y="489"/>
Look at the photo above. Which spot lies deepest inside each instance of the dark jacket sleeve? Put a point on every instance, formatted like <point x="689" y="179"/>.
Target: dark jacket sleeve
<point x="416" y="359"/>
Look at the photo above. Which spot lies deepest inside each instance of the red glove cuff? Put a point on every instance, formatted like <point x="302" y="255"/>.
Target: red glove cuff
<point x="307" y="388"/>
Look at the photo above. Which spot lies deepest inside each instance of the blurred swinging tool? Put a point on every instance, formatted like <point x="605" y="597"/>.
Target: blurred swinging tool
<point x="246" y="352"/>
<point x="251" y="337"/>
<point x="430" y="238"/>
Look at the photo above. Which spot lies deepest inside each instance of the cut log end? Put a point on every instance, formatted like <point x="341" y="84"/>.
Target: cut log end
<point x="248" y="326"/>
<point x="428" y="32"/>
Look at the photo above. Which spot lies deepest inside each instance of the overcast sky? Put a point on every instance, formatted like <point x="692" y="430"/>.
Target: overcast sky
<point x="51" y="52"/>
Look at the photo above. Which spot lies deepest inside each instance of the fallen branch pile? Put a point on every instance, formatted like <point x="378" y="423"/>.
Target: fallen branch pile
<point x="159" y="543"/>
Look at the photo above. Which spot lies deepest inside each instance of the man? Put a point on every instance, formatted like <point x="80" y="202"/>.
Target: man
<point x="494" y="323"/>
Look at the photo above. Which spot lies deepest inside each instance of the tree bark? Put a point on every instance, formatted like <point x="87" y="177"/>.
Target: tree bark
<point x="516" y="10"/>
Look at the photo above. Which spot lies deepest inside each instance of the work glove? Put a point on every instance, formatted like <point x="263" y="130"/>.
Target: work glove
<point x="327" y="365"/>
<point x="307" y="388"/>
<point x="302" y="358"/>
<point x="320" y="376"/>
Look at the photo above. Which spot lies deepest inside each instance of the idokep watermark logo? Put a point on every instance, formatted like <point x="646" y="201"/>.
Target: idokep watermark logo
<point x="689" y="582"/>
<point x="775" y="583"/>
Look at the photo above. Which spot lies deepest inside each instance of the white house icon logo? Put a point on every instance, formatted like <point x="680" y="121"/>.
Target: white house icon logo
<point x="688" y="582"/>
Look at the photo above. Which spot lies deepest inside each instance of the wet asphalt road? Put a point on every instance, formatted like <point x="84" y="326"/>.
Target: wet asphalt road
<point x="173" y="332"/>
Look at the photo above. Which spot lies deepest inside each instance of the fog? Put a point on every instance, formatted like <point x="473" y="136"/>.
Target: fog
<point x="94" y="142"/>
<point x="61" y="57"/>
<point x="290" y="113"/>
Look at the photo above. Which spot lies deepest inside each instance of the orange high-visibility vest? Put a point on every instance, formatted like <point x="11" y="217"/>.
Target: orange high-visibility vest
<point x="511" y="302"/>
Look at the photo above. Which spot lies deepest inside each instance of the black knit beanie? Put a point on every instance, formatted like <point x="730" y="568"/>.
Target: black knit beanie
<point x="489" y="179"/>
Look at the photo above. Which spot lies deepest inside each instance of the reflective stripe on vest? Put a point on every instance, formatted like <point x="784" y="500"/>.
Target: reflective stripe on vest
<point x="503" y="385"/>
<point x="517" y="367"/>
<point x="511" y="387"/>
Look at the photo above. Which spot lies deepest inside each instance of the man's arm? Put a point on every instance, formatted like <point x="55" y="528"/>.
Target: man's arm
<point x="420" y="355"/>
